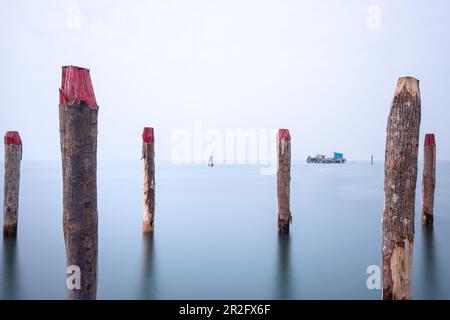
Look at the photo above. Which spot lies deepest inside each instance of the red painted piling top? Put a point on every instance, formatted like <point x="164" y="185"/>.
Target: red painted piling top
<point x="148" y="136"/>
<point x="430" y="140"/>
<point x="284" y="134"/>
<point x="12" y="137"/>
<point x="76" y="87"/>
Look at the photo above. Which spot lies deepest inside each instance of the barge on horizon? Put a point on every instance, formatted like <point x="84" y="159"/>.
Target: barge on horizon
<point x="337" y="158"/>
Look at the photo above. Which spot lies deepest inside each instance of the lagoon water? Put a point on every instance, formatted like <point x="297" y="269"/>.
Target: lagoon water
<point x="216" y="234"/>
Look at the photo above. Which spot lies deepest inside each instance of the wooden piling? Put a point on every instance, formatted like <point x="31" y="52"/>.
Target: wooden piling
<point x="148" y="155"/>
<point x="78" y="113"/>
<point x="429" y="179"/>
<point x="400" y="190"/>
<point x="284" y="180"/>
<point x="13" y="157"/>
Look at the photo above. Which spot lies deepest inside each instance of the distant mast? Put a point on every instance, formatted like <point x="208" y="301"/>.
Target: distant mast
<point x="211" y="161"/>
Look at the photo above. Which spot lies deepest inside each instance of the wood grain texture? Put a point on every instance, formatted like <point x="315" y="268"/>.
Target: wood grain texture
<point x="428" y="184"/>
<point x="13" y="157"/>
<point x="148" y="156"/>
<point x="283" y="183"/>
<point x="401" y="160"/>
<point x="78" y="133"/>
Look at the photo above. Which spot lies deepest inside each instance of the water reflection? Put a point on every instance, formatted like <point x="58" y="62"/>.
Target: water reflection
<point x="284" y="287"/>
<point x="429" y="261"/>
<point x="148" y="280"/>
<point x="9" y="282"/>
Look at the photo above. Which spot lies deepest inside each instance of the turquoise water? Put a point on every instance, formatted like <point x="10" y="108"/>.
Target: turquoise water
<point x="216" y="235"/>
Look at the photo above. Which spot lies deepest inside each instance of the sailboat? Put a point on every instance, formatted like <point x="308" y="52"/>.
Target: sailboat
<point x="211" y="161"/>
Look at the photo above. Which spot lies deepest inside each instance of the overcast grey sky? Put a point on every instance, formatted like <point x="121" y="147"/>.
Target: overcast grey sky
<point x="321" y="68"/>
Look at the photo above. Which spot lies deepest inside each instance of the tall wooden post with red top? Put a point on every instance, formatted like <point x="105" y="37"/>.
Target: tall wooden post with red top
<point x="148" y="156"/>
<point x="78" y="112"/>
<point x="429" y="179"/>
<point x="284" y="180"/>
<point x="13" y="156"/>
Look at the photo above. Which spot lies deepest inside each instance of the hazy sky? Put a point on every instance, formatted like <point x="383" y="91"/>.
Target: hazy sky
<point x="327" y="70"/>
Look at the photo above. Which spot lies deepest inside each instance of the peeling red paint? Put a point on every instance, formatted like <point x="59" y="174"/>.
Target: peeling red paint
<point x="76" y="87"/>
<point x="284" y="134"/>
<point x="12" y="137"/>
<point x="148" y="136"/>
<point x="430" y="140"/>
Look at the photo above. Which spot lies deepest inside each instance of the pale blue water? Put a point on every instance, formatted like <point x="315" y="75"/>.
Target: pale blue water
<point x="216" y="235"/>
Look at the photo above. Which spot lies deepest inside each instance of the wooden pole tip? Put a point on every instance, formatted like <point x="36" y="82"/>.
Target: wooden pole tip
<point x="148" y="136"/>
<point x="284" y="134"/>
<point x="12" y="137"/>
<point x="430" y="140"/>
<point x="411" y="84"/>
<point x="76" y="87"/>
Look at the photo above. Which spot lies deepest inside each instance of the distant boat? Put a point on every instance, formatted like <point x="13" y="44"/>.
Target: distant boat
<point x="337" y="158"/>
<point x="211" y="161"/>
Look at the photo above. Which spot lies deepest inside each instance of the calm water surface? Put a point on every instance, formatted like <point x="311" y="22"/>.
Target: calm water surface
<point x="216" y="235"/>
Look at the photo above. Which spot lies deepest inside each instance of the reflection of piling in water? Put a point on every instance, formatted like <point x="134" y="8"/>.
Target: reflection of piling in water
<point x="429" y="259"/>
<point x="429" y="179"/>
<point x="13" y="156"/>
<point x="148" y="272"/>
<point x="284" y="180"/>
<point x="148" y="155"/>
<point x="400" y="190"/>
<point x="10" y="279"/>
<point x="78" y="113"/>
<point x="284" y="268"/>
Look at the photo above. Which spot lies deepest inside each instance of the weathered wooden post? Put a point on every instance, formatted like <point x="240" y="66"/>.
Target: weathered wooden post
<point x="429" y="179"/>
<point x="284" y="180"/>
<point x="400" y="189"/>
<point x="148" y="155"/>
<point x="78" y="112"/>
<point x="13" y="156"/>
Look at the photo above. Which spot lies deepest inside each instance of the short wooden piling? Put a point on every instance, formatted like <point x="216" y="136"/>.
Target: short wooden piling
<point x="400" y="190"/>
<point x="13" y="157"/>
<point x="148" y="155"/>
<point x="429" y="179"/>
<point x="78" y="113"/>
<point x="284" y="180"/>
